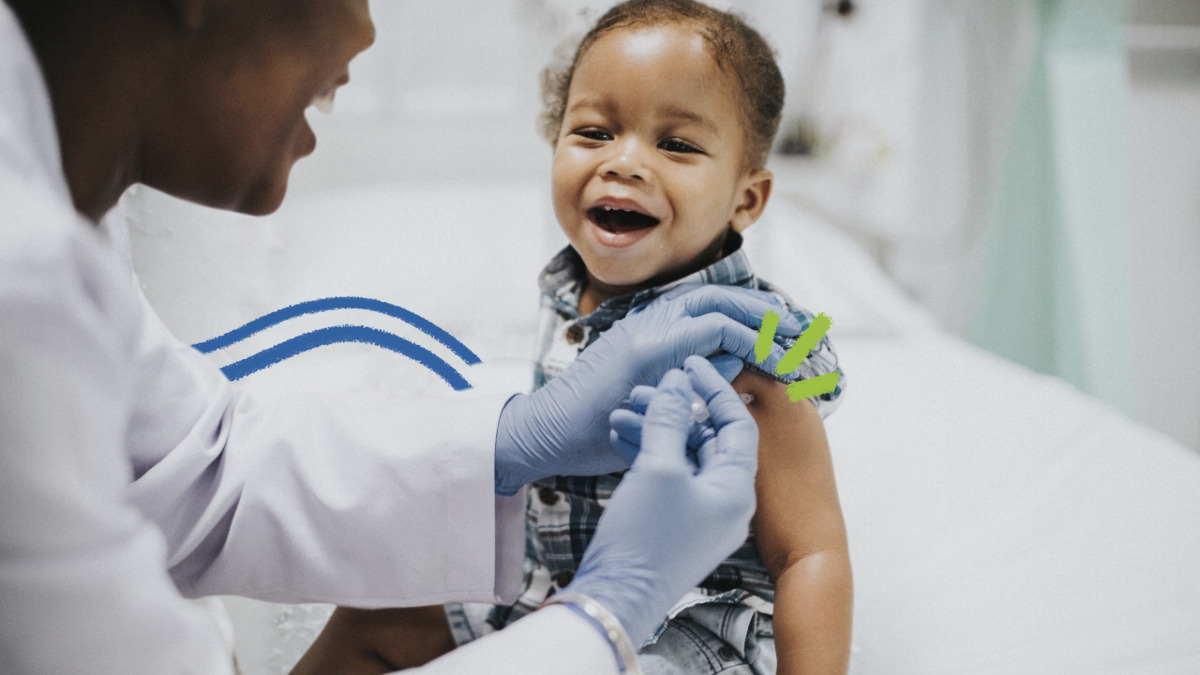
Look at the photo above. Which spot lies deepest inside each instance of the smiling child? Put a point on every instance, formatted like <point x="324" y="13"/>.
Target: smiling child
<point x="661" y="128"/>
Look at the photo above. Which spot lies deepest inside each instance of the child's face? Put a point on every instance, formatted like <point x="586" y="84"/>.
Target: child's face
<point x="649" y="170"/>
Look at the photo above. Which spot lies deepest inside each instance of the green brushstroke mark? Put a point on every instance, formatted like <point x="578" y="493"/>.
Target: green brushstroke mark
<point x="766" y="336"/>
<point x="808" y="339"/>
<point x="806" y="389"/>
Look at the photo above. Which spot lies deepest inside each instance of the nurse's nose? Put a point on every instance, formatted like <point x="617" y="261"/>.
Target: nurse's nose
<point x="625" y="162"/>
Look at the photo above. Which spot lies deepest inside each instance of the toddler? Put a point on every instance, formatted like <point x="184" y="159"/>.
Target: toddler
<point x="661" y="127"/>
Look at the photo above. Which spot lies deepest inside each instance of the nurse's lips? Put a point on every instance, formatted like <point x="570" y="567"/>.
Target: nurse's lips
<point x="619" y="216"/>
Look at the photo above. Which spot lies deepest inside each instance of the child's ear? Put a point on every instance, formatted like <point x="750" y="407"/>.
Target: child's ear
<point x="755" y="191"/>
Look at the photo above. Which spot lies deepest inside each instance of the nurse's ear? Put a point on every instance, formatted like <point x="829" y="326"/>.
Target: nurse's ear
<point x="191" y="14"/>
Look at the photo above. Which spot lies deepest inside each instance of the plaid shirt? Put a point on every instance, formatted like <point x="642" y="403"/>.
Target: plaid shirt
<point x="563" y="511"/>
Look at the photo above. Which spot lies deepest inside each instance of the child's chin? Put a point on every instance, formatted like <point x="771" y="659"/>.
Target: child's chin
<point x="614" y="272"/>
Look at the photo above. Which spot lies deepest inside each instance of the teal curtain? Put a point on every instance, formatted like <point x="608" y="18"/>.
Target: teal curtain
<point x="1057" y="295"/>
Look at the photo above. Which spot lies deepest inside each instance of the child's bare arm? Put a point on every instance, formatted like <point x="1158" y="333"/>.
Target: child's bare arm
<point x="800" y="532"/>
<point x="376" y="641"/>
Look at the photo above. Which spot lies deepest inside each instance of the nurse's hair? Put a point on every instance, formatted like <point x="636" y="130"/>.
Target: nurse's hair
<point x="737" y="49"/>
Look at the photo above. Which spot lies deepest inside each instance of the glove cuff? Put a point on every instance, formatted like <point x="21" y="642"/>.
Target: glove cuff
<point x="509" y="469"/>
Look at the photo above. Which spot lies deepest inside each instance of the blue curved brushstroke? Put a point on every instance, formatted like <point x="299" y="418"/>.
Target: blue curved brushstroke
<point x="335" y="334"/>
<point x="343" y="302"/>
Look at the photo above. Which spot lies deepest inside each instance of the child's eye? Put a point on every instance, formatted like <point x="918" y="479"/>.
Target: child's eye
<point x="593" y="134"/>
<point x="676" y="145"/>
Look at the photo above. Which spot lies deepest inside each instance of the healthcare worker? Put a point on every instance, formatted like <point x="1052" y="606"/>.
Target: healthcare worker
<point x="132" y="473"/>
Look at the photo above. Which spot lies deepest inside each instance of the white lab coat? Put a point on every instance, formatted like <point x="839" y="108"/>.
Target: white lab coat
<point x="132" y="472"/>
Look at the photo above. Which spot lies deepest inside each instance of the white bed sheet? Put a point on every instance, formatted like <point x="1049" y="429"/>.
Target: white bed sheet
<point x="1000" y="521"/>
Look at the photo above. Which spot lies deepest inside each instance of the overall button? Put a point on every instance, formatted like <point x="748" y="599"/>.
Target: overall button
<point x="548" y="496"/>
<point x="563" y="578"/>
<point x="574" y="334"/>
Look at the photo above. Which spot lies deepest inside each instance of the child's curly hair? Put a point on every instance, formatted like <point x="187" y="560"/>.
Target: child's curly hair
<point x="735" y="46"/>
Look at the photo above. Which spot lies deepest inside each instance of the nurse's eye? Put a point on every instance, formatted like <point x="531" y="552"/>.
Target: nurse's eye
<point x="678" y="146"/>
<point x="593" y="134"/>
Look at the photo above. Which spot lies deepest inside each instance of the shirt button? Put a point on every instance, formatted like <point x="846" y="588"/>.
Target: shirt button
<point x="563" y="578"/>
<point x="726" y="653"/>
<point x="548" y="496"/>
<point x="574" y="334"/>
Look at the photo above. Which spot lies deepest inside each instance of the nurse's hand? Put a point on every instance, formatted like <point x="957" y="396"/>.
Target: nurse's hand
<point x="675" y="516"/>
<point x="562" y="428"/>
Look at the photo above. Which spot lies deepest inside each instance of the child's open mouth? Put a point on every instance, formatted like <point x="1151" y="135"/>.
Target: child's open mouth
<point x="619" y="221"/>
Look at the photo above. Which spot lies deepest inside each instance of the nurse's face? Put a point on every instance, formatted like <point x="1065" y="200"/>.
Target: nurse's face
<point x="229" y="130"/>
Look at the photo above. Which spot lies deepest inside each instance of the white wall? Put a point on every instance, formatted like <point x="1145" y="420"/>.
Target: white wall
<point x="915" y="100"/>
<point x="1164" y="136"/>
<point x="909" y="97"/>
<point x="449" y="94"/>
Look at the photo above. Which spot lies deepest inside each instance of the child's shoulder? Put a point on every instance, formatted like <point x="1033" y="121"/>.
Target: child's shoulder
<point x="802" y="314"/>
<point x="822" y="357"/>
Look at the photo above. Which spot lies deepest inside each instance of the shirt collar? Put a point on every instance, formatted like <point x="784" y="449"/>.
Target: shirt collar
<point x="562" y="280"/>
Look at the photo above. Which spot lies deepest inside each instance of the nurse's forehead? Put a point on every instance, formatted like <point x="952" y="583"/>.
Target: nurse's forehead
<point x="317" y="24"/>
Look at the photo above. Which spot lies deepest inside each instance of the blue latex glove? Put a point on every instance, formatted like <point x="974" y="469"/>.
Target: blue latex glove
<point x="670" y="522"/>
<point x="563" y="428"/>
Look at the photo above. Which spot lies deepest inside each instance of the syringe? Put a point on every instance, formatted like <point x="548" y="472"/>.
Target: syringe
<point x="700" y="410"/>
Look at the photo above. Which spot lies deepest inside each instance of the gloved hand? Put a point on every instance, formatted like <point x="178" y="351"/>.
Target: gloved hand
<point x="562" y="428"/>
<point x="670" y="522"/>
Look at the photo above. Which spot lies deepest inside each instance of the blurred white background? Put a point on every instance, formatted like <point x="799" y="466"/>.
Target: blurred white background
<point x="937" y="127"/>
<point x="1028" y="170"/>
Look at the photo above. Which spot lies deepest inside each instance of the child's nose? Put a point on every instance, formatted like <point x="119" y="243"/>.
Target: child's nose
<point x="625" y="162"/>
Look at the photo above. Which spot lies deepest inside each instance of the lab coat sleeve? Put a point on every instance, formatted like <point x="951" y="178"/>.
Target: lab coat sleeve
<point x="366" y="501"/>
<point x="549" y="641"/>
<point x="124" y="453"/>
